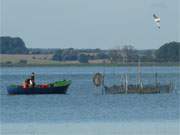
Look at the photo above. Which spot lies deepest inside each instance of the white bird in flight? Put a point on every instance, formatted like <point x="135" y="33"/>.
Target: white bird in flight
<point x="157" y="20"/>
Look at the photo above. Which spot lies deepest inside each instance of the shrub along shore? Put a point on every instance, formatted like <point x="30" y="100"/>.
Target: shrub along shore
<point x="149" y="64"/>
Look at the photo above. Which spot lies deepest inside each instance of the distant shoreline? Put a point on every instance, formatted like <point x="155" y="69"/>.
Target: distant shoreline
<point x="145" y="64"/>
<point x="44" y="60"/>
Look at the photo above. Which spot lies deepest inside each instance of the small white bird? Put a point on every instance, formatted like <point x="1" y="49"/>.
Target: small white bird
<point x="157" y="20"/>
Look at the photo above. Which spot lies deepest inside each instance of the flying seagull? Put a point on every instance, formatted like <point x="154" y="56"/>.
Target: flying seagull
<point x="157" y="20"/>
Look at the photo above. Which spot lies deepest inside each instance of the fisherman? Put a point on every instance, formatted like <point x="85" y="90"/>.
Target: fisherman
<point x="26" y="83"/>
<point x="32" y="80"/>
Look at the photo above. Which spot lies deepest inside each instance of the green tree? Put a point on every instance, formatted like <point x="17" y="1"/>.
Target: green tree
<point x="9" y="45"/>
<point x="169" y="52"/>
<point x="83" y="58"/>
<point x="58" y="55"/>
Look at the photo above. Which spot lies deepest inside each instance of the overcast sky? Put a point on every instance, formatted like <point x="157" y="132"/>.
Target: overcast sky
<point x="90" y="23"/>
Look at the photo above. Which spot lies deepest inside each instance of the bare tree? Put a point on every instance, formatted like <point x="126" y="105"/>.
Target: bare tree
<point x="129" y="53"/>
<point x="115" y="55"/>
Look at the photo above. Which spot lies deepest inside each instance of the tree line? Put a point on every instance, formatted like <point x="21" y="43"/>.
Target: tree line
<point x="9" y="45"/>
<point x="169" y="52"/>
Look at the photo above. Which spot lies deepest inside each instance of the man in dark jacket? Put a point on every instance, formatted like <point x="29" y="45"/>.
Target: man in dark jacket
<point x="33" y="79"/>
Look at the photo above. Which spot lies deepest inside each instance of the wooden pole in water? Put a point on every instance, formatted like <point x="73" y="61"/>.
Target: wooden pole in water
<point x="103" y="76"/>
<point x="102" y="85"/>
<point x="156" y="79"/>
<point x="126" y="83"/>
<point x="139" y="72"/>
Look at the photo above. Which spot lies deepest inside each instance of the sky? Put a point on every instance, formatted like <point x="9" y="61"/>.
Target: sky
<point x="85" y="24"/>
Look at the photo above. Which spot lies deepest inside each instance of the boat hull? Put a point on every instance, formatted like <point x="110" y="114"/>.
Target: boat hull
<point x="37" y="90"/>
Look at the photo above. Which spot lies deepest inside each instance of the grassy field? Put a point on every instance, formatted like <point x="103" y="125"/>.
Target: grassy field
<point x="26" y="59"/>
<point x="46" y="60"/>
<point x="41" y="59"/>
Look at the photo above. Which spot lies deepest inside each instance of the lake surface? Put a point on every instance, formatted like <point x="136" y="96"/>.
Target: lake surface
<point x="84" y="102"/>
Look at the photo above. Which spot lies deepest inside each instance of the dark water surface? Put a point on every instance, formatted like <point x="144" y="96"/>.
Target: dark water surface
<point x="84" y="102"/>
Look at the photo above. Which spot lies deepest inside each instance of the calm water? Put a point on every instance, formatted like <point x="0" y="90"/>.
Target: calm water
<point x="84" y="102"/>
